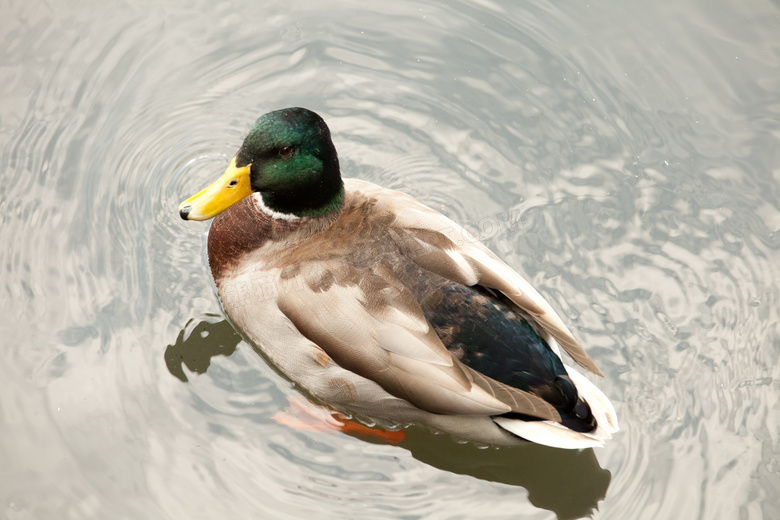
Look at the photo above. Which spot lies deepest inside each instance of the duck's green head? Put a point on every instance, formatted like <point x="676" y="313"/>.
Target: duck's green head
<point x="289" y="158"/>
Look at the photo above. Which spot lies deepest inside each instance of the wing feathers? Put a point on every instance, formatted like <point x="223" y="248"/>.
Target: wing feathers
<point x="438" y="390"/>
<point x="377" y="343"/>
<point x="519" y="400"/>
<point x="440" y="245"/>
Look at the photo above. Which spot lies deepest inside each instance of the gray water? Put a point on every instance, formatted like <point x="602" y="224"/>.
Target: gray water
<point x="624" y="156"/>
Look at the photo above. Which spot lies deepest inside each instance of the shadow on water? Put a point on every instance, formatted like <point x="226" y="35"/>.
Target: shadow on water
<point x="199" y="341"/>
<point x="569" y="483"/>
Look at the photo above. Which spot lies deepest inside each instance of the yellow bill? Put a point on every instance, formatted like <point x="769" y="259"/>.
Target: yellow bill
<point x="233" y="186"/>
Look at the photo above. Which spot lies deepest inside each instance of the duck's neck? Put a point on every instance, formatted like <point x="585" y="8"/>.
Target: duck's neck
<point x="301" y="206"/>
<point x="290" y="224"/>
<point x="274" y="214"/>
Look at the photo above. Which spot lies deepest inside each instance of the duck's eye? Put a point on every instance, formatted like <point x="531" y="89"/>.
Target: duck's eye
<point x="286" y="152"/>
<point x="233" y="183"/>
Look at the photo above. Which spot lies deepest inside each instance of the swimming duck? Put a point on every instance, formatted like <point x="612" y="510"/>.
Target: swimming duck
<point x="383" y="308"/>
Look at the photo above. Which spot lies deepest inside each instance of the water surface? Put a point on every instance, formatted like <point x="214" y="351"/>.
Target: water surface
<point x="623" y="156"/>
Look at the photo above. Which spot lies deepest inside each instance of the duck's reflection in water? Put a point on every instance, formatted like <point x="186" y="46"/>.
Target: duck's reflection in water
<point x="569" y="483"/>
<point x="200" y="340"/>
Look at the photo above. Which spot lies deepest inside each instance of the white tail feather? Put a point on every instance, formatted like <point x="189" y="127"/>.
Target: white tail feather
<point x="549" y="433"/>
<point x="559" y="436"/>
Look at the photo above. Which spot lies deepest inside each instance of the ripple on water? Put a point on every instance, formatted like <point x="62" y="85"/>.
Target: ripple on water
<point x="612" y="175"/>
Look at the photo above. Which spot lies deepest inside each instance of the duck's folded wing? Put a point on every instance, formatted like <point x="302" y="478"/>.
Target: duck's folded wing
<point x="371" y="325"/>
<point x="440" y="245"/>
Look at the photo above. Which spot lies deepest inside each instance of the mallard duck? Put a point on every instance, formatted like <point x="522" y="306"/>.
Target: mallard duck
<point x="383" y="308"/>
